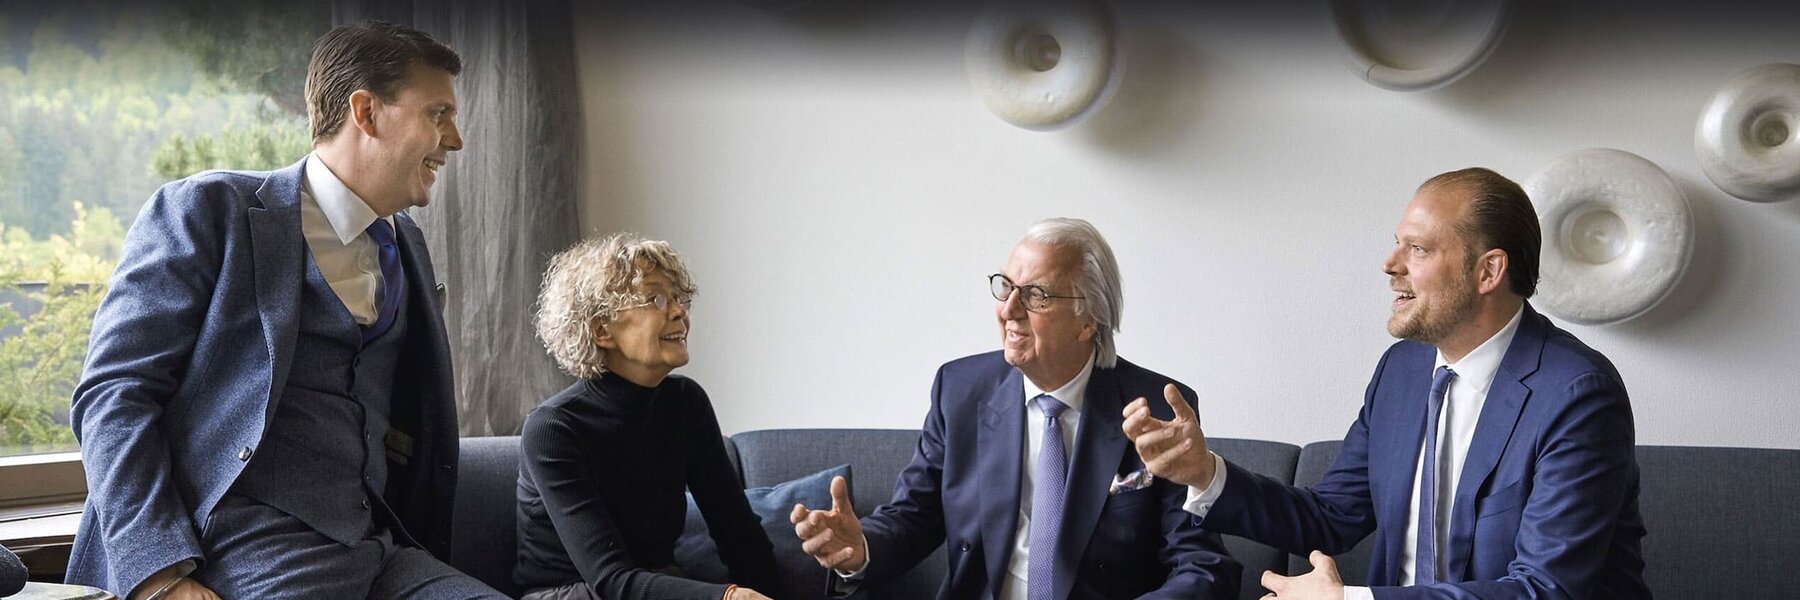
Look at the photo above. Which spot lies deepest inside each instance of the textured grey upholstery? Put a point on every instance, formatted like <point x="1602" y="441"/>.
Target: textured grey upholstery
<point x="1353" y="566"/>
<point x="1722" y="521"/>
<point x="484" y="538"/>
<point x="1275" y="460"/>
<point x="875" y="456"/>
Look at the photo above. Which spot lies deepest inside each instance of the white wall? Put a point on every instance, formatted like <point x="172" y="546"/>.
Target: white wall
<point x="841" y="195"/>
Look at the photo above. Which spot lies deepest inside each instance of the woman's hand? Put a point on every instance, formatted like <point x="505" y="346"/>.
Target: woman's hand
<point x="743" y="593"/>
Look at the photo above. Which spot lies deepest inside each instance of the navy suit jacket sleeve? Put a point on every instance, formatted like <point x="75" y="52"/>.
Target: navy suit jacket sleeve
<point x="1144" y="543"/>
<point x="906" y="529"/>
<point x="1331" y="517"/>
<point x="142" y="339"/>
<point x="1566" y="513"/>
<point x="1571" y="451"/>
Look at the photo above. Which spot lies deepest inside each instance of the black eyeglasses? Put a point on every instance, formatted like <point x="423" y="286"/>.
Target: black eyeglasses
<point x="1036" y="298"/>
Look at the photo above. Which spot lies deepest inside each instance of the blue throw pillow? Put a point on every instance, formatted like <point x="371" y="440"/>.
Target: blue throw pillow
<point x="801" y="576"/>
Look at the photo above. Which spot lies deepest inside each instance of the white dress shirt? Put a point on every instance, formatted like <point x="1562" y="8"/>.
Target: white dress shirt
<point x="1456" y="429"/>
<point x="334" y="221"/>
<point x="1070" y="394"/>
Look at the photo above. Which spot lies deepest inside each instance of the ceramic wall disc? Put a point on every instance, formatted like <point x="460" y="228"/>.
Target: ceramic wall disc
<point x="1617" y="235"/>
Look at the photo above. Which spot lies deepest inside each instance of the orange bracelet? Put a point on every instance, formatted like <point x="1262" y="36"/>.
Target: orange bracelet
<point x="728" y="589"/>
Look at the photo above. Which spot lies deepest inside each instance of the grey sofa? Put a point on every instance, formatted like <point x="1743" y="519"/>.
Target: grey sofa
<point x="1720" y="519"/>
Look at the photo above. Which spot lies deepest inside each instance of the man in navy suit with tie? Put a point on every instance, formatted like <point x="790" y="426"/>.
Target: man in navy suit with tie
<point x="1022" y="468"/>
<point x="1494" y="454"/>
<point x="266" y="409"/>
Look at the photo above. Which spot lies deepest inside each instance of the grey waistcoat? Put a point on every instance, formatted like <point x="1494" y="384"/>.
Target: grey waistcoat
<point x="323" y="458"/>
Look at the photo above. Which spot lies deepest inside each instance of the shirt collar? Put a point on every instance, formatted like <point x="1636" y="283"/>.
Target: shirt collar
<point x="1480" y="365"/>
<point x="347" y="213"/>
<point x="1071" y="394"/>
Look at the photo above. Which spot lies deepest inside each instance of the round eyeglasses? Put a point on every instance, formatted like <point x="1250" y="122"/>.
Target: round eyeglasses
<point x="1035" y="297"/>
<point x="662" y="301"/>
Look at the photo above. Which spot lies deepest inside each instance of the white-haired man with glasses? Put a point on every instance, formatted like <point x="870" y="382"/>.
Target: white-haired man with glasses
<point x="1021" y="467"/>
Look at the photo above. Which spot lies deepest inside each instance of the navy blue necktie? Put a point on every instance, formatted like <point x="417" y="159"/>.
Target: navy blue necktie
<point x="1046" y="503"/>
<point x="393" y="280"/>
<point x="1425" y="556"/>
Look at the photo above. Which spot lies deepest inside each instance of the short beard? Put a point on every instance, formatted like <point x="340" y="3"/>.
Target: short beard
<point x="1432" y="326"/>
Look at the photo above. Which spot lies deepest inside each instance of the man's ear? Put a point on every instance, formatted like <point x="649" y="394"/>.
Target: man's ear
<point x="1490" y="270"/>
<point x="362" y="111"/>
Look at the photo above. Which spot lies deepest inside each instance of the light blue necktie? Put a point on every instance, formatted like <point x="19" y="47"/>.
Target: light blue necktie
<point x="393" y="279"/>
<point x="1046" y="503"/>
<point x="1425" y="556"/>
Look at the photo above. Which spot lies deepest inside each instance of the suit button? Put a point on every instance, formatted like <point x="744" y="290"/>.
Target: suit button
<point x="365" y="504"/>
<point x="244" y="453"/>
<point x="963" y="547"/>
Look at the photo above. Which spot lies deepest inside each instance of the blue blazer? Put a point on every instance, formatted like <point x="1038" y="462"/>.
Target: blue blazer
<point x="962" y="488"/>
<point x="1546" y="504"/>
<point x="188" y="357"/>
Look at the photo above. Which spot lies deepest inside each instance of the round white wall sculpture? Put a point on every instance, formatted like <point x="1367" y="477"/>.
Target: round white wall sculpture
<point x="1044" y="64"/>
<point x="1617" y="235"/>
<point x="1413" y="45"/>
<point x="1748" y="137"/>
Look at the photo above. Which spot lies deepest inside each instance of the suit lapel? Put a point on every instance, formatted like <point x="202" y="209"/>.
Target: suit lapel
<point x="424" y="414"/>
<point x="276" y="247"/>
<point x="423" y="305"/>
<point x="1099" y="446"/>
<point x="1494" y="429"/>
<point x="1002" y="447"/>
<point x="1399" y="454"/>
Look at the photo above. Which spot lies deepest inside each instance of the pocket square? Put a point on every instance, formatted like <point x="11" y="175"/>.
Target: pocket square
<point x="1135" y="480"/>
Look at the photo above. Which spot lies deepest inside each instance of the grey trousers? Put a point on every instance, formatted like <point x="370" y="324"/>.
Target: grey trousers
<point x="266" y="553"/>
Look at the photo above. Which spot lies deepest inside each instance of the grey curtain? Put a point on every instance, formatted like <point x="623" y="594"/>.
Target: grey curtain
<point x="506" y="202"/>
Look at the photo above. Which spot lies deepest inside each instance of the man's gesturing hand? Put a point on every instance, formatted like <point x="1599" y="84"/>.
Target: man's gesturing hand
<point x="833" y="537"/>
<point x="1173" y="450"/>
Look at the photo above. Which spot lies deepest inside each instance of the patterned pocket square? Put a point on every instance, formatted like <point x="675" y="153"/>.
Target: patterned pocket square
<point x="1135" y="480"/>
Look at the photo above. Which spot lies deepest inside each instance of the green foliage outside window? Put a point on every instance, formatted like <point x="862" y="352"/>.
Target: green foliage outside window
<point x="41" y="359"/>
<point x="99" y="105"/>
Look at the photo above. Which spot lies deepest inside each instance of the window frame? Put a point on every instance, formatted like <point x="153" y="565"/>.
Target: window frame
<point x="30" y="480"/>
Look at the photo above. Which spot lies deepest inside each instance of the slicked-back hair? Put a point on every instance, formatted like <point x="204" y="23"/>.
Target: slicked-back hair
<point x="373" y="56"/>
<point x="1500" y="216"/>
<point x="1098" y="280"/>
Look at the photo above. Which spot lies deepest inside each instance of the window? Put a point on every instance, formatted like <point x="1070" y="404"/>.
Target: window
<point x="99" y="105"/>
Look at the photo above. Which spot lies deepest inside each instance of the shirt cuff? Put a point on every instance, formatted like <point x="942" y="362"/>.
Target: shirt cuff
<point x="857" y="574"/>
<point x="1200" y="499"/>
<point x="1356" y="592"/>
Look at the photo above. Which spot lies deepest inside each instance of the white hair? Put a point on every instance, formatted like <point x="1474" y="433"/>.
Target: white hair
<point x="592" y="281"/>
<point x="1099" y="281"/>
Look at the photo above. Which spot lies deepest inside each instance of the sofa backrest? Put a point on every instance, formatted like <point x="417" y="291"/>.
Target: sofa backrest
<point x="1353" y="566"/>
<point x="1271" y="459"/>
<point x="875" y="456"/>
<point x="484" y="535"/>
<point x="1721" y="521"/>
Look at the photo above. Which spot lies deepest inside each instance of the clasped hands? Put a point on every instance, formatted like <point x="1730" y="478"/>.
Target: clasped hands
<point x="1176" y="450"/>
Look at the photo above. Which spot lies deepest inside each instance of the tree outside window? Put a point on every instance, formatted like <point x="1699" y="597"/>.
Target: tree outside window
<point x="100" y="105"/>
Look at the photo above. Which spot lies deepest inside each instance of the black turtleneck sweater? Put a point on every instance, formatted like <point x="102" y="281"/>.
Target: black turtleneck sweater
<point x="603" y="465"/>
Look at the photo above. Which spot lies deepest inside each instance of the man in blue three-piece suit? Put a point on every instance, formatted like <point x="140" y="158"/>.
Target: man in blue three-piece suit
<point x="1022" y="469"/>
<point x="266" y="410"/>
<point x="1494" y="454"/>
